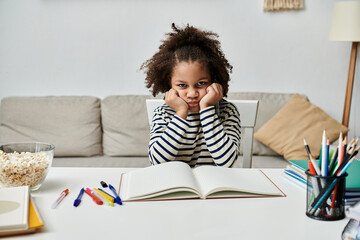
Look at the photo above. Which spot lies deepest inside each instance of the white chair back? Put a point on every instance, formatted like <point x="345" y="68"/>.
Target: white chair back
<point x="248" y="112"/>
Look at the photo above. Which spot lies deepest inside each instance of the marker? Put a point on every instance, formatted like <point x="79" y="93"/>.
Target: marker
<point x="95" y="198"/>
<point x="78" y="199"/>
<point x="105" y="194"/>
<point x="103" y="184"/>
<point x="117" y="197"/>
<point x="60" y="198"/>
<point x="102" y="198"/>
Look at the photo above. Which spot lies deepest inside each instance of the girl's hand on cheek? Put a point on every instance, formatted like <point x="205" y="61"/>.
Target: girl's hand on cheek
<point x="173" y="100"/>
<point x="214" y="95"/>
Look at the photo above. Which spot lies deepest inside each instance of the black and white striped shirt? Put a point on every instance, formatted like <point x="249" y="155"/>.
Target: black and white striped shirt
<point x="203" y="138"/>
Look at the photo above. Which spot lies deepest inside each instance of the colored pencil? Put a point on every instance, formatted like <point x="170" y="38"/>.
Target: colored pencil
<point x="323" y="153"/>
<point x="317" y="169"/>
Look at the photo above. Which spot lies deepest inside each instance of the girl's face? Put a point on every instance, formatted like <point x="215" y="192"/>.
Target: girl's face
<point x="190" y="80"/>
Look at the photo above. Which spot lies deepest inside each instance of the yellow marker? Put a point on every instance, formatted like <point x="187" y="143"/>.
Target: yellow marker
<point x="111" y="199"/>
<point x="103" y="198"/>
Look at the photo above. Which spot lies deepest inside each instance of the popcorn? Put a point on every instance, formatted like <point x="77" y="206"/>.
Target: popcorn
<point x="21" y="169"/>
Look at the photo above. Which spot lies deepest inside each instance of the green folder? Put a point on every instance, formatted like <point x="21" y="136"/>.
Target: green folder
<point x="352" y="180"/>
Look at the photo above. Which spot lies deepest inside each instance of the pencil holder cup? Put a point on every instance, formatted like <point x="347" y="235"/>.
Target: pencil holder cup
<point x="325" y="197"/>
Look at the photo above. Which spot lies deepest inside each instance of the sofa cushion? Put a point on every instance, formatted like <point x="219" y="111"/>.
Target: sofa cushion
<point x="298" y="119"/>
<point x="125" y="125"/>
<point x="269" y="105"/>
<point x="71" y="123"/>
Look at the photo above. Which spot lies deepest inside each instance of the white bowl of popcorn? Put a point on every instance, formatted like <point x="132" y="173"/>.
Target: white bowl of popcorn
<point x="25" y="164"/>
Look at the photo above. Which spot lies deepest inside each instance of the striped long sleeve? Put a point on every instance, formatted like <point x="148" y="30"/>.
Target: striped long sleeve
<point x="203" y="138"/>
<point x="222" y="138"/>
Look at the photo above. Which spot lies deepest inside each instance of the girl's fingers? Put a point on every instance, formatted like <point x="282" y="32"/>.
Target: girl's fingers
<point x="217" y="89"/>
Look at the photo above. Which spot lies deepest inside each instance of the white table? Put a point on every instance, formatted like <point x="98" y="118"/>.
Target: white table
<point x="259" y="218"/>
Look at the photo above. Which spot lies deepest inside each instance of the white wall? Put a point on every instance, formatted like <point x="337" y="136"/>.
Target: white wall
<point x="95" y="47"/>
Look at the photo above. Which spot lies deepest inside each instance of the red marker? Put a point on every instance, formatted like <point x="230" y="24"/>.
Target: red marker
<point x="62" y="196"/>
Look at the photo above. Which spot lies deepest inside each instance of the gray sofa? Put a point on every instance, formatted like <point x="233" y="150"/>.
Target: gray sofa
<point x="110" y="132"/>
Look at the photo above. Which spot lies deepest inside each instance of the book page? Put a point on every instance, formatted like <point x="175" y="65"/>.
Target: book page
<point x="158" y="180"/>
<point x="233" y="181"/>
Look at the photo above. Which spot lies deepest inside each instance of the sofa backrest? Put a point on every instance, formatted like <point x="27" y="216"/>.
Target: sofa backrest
<point x="71" y="123"/>
<point x="125" y="128"/>
<point x="115" y="126"/>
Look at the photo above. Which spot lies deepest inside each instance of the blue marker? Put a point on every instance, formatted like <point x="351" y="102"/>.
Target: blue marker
<point x="117" y="197"/>
<point x="78" y="199"/>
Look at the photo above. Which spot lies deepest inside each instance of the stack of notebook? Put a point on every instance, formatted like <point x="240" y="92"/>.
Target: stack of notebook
<point x="18" y="213"/>
<point x="352" y="229"/>
<point x="295" y="172"/>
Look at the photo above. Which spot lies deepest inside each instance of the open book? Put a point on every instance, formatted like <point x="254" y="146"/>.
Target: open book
<point x="176" y="180"/>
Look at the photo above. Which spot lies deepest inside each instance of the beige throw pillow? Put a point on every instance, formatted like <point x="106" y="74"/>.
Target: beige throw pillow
<point x="298" y="119"/>
<point x="269" y="105"/>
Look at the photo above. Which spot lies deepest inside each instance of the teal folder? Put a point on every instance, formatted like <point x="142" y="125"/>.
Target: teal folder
<point x="352" y="180"/>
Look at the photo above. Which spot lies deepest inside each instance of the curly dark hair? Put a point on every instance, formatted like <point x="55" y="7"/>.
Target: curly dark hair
<point x="187" y="44"/>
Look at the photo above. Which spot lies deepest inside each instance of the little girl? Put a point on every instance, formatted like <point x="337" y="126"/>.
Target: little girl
<point x="195" y="125"/>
